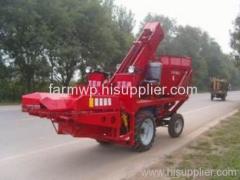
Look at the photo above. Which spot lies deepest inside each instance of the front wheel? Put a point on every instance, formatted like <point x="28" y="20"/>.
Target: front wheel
<point x="145" y="130"/>
<point x="176" y="125"/>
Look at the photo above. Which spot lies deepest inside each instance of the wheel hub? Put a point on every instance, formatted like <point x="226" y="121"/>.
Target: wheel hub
<point x="147" y="131"/>
<point x="178" y="126"/>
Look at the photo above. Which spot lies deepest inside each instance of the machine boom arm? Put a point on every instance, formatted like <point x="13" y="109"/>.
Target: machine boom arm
<point x="143" y="49"/>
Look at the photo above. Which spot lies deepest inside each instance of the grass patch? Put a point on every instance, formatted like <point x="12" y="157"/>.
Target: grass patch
<point x="218" y="149"/>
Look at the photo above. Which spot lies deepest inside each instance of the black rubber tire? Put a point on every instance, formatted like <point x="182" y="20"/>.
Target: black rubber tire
<point x="103" y="143"/>
<point x="212" y="97"/>
<point x="172" y="125"/>
<point x="224" y="98"/>
<point x="140" y="118"/>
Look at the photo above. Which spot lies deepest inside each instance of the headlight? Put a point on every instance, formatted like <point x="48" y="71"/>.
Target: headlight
<point x="131" y="69"/>
<point x="88" y="69"/>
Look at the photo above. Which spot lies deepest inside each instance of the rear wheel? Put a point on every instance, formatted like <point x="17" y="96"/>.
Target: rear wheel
<point x="212" y="97"/>
<point x="145" y="130"/>
<point x="176" y="125"/>
<point x="224" y="98"/>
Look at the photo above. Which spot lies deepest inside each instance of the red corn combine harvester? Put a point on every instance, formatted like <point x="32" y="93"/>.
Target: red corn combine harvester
<point x="122" y="118"/>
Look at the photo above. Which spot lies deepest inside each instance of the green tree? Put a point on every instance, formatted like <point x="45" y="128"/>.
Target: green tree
<point x="87" y="33"/>
<point x="53" y="39"/>
<point x="235" y="40"/>
<point x="122" y="27"/>
<point x="22" y="37"/>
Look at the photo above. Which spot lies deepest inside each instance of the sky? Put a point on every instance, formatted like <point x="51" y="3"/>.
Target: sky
<point x="214" y="16"/>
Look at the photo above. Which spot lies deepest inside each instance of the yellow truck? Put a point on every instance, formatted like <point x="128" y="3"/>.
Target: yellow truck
<point x="219" y="88"/>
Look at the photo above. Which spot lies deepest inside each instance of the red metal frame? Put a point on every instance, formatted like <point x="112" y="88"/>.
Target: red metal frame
<point x="103" y="120"/>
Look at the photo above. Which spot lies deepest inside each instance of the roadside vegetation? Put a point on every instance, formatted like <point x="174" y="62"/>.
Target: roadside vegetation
<point x="44" y="42"/>
<point x="217" y="149"/>
<point x="9" y="103"/>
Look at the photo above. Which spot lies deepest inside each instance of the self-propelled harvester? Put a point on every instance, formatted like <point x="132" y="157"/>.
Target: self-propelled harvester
<point x="127" y="119"/>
